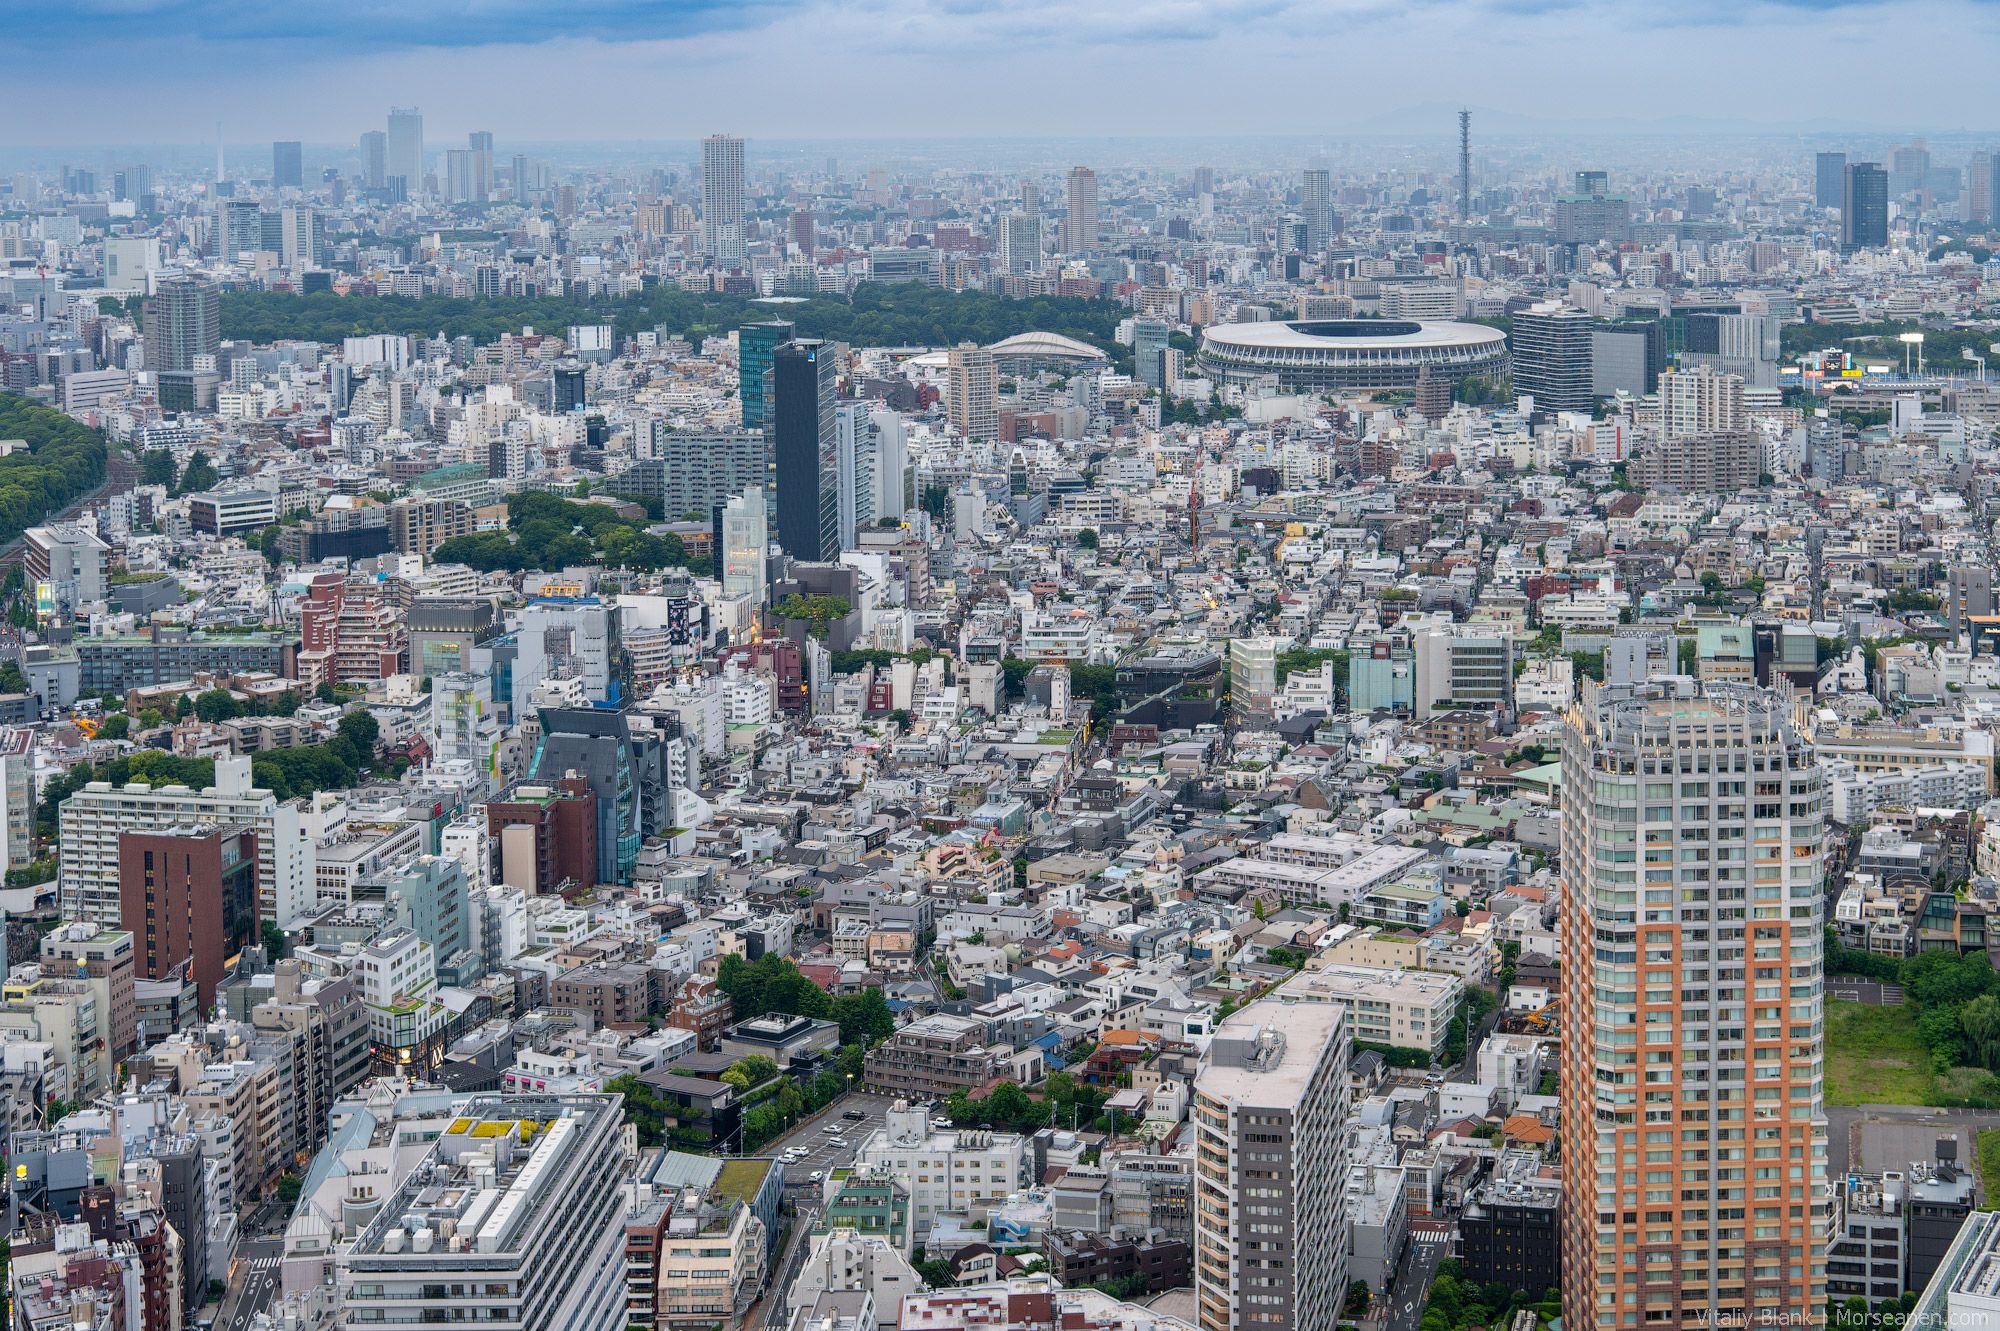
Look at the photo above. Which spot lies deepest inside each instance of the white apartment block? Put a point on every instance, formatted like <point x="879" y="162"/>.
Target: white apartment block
<point x="948" y="1170"/>
<point x="93" y="817"/>
<point x="1400" y="1008"/>
<point x="1271" y="1165"/>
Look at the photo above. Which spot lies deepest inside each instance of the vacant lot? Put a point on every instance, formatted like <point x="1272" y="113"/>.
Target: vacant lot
<point x="1873" y="1056"/>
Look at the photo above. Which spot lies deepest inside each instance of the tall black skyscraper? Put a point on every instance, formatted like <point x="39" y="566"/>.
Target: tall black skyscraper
<point x="1864" y="207"/>
<point x="1830" y="168"/>
<point x="804" y="449"/>
<point x="569" y="387"/>
<point x="287" y="166"/>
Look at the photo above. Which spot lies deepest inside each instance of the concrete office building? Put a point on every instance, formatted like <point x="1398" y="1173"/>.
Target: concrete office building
<point x="1829" y="177"/>
<point x="405" y="151"/>
<point x="188" y="894"/>
<point x="1692" y="828"/>
<point x="287" y="165"/>
<point x="101" y="959"/>
<point x="1968" y="591"/>
<point x="856" y="439"/>
<point x="1270" y="1119"/>
<point x="69" y="561"/>
<point x="94" y="818"/>
<point x="746" y="541"/>
<point x="622" y="764"/>
<point x="698" y="469"/>
<point x="1149" y="352"/>
<point x="1511" y="1231"/>
<point x="943" y="1171"/>
<point x="1019" y="243"/>
<point x="1404" y="1009"/>
<point x="1627" y="357"/>
<point x="1942" y="1192"/>
<point x="242" y="227"/>
<point x="1587" y="219"/>
<point x="480" y="141"/>
<point x="559" y="633"/>
<point x="517" y="1190"/>
<point x="17" y="789"/>
<point x="374" y="159"/>
<point x="1316" y="206"/>
<point x="722" y="199"/>
<point x="804" y="450"/>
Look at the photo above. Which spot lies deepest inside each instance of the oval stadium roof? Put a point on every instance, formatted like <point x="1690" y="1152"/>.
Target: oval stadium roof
<point x="1046" y="344"/>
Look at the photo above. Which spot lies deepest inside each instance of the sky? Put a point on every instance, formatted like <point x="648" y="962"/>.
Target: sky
<point x="147" y="71"/>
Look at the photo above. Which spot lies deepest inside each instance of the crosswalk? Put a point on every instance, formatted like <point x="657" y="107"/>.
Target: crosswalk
<point x="1430" y="1236"/>
<point x="265" y="1263"/>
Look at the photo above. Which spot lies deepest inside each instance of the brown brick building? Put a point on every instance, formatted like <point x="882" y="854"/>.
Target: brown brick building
<point x="1710" y="463"/>
<point x="189" y="893"/>
<point x="612" y="995"/>
<point x="931" y="1058"/>
<point x="703" y="1008"/>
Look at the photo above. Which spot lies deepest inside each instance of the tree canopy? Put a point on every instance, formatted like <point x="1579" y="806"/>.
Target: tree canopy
<point x="65" y="459"/>
<point x="878" y="315"/>
<point x="548" y="532"/>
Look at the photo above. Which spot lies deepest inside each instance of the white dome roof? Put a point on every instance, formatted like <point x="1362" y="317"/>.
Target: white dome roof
<point x="1046" y="344"/>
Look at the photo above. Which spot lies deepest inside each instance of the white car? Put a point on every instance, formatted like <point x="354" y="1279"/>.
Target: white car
<point x="837" y="1144"/>
<point x="818" y="1175"/>
<point x="831" y="1127"/>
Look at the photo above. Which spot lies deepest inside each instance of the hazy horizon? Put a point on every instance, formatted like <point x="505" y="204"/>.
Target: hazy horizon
<point x="645" y="71"/>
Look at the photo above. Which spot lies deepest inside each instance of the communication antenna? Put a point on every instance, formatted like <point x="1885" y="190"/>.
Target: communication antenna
<point x="1465" y="166"/>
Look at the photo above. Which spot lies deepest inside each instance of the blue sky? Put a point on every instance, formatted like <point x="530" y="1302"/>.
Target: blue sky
<point x="123" y="70"/>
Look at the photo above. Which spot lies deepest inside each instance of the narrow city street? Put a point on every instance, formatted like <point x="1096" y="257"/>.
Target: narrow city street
<point x="1427" y="1247"/>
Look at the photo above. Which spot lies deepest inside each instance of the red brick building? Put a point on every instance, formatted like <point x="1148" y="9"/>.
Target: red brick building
<point x="703" y="1008"/>
<point x="188" y="894"/>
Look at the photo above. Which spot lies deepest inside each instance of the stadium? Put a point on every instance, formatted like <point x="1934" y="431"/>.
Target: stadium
<point x="1350" y="355"/>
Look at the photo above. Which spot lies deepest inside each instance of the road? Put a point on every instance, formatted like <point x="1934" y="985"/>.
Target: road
<point x="254" y="1286"/>
<point x="816" y="1137"/>
<point x="1865" y="991"/>
<point x="788" y="1265"/>
<point x="1428" y="1246"/>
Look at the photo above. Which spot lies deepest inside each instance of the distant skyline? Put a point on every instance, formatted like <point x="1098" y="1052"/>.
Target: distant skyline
<point x="865" y="69"/>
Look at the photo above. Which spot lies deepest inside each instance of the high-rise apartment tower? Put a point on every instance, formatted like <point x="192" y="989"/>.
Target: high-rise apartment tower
<point x="1079" y="228"/>
<point x="1693" y="834"/>
<point x="1270" y="1119"/>
<point x="722" y="198"/>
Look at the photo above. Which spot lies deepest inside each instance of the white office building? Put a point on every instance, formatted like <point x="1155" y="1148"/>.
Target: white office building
<point x="514" y="1216"/>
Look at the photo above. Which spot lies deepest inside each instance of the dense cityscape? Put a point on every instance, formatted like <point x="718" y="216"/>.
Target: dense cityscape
<point x="1014" y="736"/>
